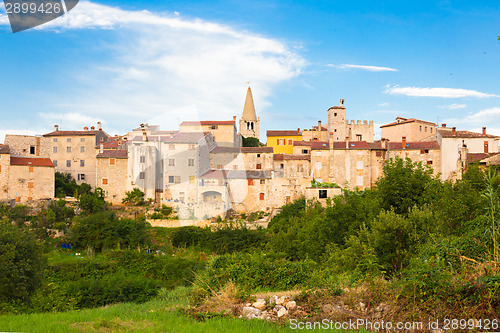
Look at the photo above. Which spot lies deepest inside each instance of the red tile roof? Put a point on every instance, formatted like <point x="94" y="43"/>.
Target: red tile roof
<point x="283" y="133"/>
<point x="319" y="145"/>
<point x="71" y="133"/>
<point x="31" y="161"/>
<point x="113" y="154"/>
<point x="4" y="149"/>
<point x="406" y="121"/>
<point x="287" y="157"/>
<point x="351" y="145"/>
<point x="302" y="143"/>
<point x="465" y="134"/>
<point x="207" y="122"/>
<point x="413" y="145"/>
<point x="323" y="129"/>
<point x="262" y="150"/>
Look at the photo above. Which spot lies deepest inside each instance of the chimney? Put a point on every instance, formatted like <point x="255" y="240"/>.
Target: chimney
<point x="298" y="130"/>
<point x="443" y="125"/>
<point x="119" y="141"/>
<point x="454" y="131"/>
<point x="56" y="128"/>
<point x="144" y="136"/>
<point x="347" y="142"/>
<point x="234" y="118"/>
<point x="99" y="127"/>
<point x="403" y="142"/>
<point x="92" y="128"/>
<point x="383" y="143"/>
<point x="342" y="102"/>
<point x="484" y="130"/>
<point x="86" y="128"/>
<point x="101" y="146"/>
<point x="319" y="125"/>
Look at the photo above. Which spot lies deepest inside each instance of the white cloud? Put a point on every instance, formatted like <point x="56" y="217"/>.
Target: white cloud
<point x="485" y="117"/>
<point x="383" y="104"/>
<point x="435" y="92"/>
<point x="454" y="106"/>
<point x="366" y="68"/>
<point x="161" y="62"/>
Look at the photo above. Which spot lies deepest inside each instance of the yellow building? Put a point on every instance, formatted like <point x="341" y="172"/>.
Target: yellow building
<point x="282" y="141"/>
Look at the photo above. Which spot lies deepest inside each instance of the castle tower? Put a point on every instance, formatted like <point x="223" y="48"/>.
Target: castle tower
<point x="249" y="123"/>
<point x="337" y="122"/>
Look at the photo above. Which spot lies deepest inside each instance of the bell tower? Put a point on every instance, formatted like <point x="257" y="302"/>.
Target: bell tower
<point x="249" y="123"/>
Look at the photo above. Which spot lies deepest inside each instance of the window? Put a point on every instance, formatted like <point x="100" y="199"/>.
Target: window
<point x="82" y="163"/>
<point x="30" y="184"/>
<point x="191" y="179"/>
<point x="68" y="149"/>
<point x="192" y="147"/>
<point x="177" y="179"/>
<point x="30" y="198"/>
<point x="112" y="161"/>
<point x="82" y="149"/>
<point x="219" y="166"/>
<point x="429" y="162"/>
<point x="82" y="139"/>
<point x="54" y="149"/>
<point x="335" y="114"/>
<point x="259" y="166"/>
<point x="105" y="181"/>
<point x="486" y="147"/>
<point x="142" y="175"/>
<point x="142" y="159"/>
<point x="213" y="127"/>
<point x="420" y="128"/>
<point x="262" y="182"/>
<point x="261" y="196"/>
<point x="424" y="151"/>
<point x="425" y="129"/>
<point x="170" y="179"/>
<point x="378" y="154"/>
<point x="281" y="142"/>
<point x="300" y="168"/>
<point x="290" y="142"/>
<point x="431" y="129"/>
<point x="30" y="169"/>
<point x="171" y="147"/>
<point x="359" y="137"/>
<point x="235" y="167"/>
<point x="305" y="151"/>
<point x="191" y="162"/>
<point x="282" y="166"/>
<point x="258" y="155"/>
<point x="250" y="182"/>
<point x="32" y="150"/>
<point x="81" y="176"/>
<point x="171" y="162"/>
<point x="322" y="194"/>
<point x="55" y="163"/>
<point x="54" y="140"/>
<point x="68" y="163"/>
<point x="68" y="140"/>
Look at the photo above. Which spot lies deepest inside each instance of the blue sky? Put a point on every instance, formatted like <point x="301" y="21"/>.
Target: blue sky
<point x="127" y="62"/>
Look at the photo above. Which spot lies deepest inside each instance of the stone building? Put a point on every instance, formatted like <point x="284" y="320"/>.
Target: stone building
<point x="112" y="167"/>
<point x="317" y="133"/>
<point x="4" y="171"/>
<point x="223" y="132"/>
<point x="412" y="129"/>
<point x="341" y="128"/>
<point x="249" y="122"/>
<point x="27" y="145"/>
<point x="74" y="152"/>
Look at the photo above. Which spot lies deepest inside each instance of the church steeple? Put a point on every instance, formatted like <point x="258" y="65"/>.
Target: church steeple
<point x="249" y="123"/>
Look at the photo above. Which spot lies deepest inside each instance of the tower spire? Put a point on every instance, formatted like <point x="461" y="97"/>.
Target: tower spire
<point x="249" y="108"/>
<point x="249" y="123"/>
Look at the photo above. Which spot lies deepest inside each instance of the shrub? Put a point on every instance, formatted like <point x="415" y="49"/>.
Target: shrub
<point x="134" y="197"/>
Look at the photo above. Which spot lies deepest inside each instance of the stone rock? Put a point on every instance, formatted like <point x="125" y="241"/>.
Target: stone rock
<point x="362" y="306"/>
<point x="249" y="312"/>
<point x="327" y="308"/>
<point x="291" y="305"/>
<point x="260" y="304"/>
<point x="282" y="312"/>
<point x="278" y="307"/>
<point x="248" y="304"/>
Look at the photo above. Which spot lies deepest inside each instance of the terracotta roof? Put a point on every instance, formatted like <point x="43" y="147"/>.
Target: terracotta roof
<point x="207" y="122"/>
<point x="112" y="144"/>
<point x="4" y="149"/>
<point x="31" y="161"/>
<point x="323" y="129"/>
<point x="414" y="145"/>
<point x="226" y="150"/>
<point x="351" y="145"/>
<point x="70" y="133"/>
<point x="319" y="145"/>
<point x="283" y="133"/>
<point x="337" y="107"/>
<point x="464" y="134"/>
<point x="262" y="150"/>
<point x="113" y="154"/>
<point x="287" y="157"/>
<point x="406" y="121"/>
<point x="302" y="143"/>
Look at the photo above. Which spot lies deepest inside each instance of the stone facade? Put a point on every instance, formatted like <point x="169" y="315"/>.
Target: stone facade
<point x="28" y="145"/>
<point x="74" y="152"/>
<point x="4" y="171"/>
<point x="31" y="179"/>
<point x="111" y="167"/>
<point x="343" y="129"/>
<point x="223" y="132"/>
<point x="413" y="130"/>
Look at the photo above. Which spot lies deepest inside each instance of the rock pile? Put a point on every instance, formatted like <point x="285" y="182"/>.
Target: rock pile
<point x="274" y="308"/>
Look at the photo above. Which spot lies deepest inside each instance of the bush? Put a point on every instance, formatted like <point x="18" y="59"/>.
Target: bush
<point x="134" y="197"/>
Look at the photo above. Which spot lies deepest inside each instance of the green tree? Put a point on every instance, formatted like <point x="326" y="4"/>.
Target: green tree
<point x="134" y="197"/>
<point x="251" y="142"/>
<point x="21" y="264"/>
<point x="403" y="184"/>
